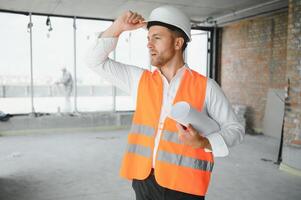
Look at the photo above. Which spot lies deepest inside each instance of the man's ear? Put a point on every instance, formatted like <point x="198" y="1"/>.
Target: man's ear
<point x="179" y="42"/>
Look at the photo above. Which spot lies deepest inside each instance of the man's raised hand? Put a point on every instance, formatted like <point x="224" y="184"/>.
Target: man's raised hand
<point x="127" y="21"/>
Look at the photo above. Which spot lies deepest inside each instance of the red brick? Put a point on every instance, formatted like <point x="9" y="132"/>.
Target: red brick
<point x="253" y="59"/>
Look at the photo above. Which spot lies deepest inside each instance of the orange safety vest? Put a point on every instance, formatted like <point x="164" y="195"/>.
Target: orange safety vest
<point x="178" y="167"/>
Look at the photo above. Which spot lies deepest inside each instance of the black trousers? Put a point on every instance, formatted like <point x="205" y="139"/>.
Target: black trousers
<point x="149" y="189"/>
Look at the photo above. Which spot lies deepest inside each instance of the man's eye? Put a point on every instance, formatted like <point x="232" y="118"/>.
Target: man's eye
<point x="157" y="38"/>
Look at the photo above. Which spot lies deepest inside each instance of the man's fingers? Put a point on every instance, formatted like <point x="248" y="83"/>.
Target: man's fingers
<point x="135" y="18"/>
<point x="128" y="14"/>
<point x="191" y="129"/>
<point x="132" y="17"/>
<point x="182" y="132"/>
<point x="138" y="18"/>
<point x="180" y="127"/>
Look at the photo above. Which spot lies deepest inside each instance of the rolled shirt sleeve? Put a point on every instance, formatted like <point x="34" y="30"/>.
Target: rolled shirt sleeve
<point x="125" y="77"/>
<point x="219" y="108"/>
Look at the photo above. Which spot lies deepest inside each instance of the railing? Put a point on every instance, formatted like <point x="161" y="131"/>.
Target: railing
<point x="9" y="91"/>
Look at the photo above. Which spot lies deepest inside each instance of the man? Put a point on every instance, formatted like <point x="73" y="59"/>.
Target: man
<point x="67" y="82"/>
<point x="164" y="159"/>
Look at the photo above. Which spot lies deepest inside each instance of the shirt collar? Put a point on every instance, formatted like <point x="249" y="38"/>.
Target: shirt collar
<point x="180" y="70"/>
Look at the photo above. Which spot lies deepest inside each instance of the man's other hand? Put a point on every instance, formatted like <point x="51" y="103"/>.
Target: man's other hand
<point x="190" y="136"/>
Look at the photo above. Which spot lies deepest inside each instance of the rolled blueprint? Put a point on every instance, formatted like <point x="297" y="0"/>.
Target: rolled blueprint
<point x="184" y="114"/>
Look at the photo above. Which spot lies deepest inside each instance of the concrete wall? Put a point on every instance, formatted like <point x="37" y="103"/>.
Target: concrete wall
<point x="253" y="59"/>
<point x="52" y="90"/>
<point x="21" y="124"/>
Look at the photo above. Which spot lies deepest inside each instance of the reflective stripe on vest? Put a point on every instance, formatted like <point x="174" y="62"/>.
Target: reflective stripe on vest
<point x="139" y="149"/>
<point x="141" y="129"/>
<point x="185" y="161"/>
<point x="171" y="136"/>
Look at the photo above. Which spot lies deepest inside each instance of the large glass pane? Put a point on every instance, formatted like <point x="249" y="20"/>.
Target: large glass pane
<point x="94" y="93"/>
<point x="14" y="64"/>
<point x="131" y="49"/>
<point x="52" y="54"/>
<point x="196" y="53"/>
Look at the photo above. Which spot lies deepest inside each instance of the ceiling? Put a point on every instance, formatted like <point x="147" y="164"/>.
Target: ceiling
<point x="199" y="11"/>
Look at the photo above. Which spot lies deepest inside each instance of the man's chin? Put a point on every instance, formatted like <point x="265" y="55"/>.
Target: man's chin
<point x="156" y="64"/>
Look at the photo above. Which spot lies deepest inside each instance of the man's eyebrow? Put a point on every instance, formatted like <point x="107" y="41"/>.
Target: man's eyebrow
<point x="156" y="34"/>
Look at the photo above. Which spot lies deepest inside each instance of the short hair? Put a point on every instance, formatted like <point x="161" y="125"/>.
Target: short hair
<point x="178" y="32"/>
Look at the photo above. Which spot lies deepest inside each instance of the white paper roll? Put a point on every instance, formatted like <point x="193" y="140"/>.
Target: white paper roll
<point x="184" y="114"/>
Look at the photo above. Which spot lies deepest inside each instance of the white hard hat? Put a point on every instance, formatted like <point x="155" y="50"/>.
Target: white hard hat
<point x="173" y="16"/>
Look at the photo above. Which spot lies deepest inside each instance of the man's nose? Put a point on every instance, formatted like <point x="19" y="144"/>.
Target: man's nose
<point x="149" y="44"/>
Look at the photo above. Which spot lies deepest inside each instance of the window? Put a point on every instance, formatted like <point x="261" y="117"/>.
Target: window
<point x="52" y="51"/>
<point x="196" y="53"/>
<point x="14" y="64"/>
<point x="94" y="93"/>
<point x="131" y="49"/>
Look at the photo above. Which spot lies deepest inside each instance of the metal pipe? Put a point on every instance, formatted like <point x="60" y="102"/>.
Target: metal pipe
<point x="114" y="88"/>
<point x="53" y="15"/>
<point x="208" y="62"/>
<point x="213" y="51"/>
<point x="31" y="67"/>
<point x="74" y="65"/>
<point x="252" y="8"/>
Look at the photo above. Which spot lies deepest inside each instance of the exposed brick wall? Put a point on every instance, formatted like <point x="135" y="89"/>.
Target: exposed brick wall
<point x="292" y="127"/>
<point x="253" y="59"/>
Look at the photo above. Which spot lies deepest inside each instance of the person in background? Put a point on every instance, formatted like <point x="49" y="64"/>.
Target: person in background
<point x="67" y="82"/>
<point x="165" y="160"/>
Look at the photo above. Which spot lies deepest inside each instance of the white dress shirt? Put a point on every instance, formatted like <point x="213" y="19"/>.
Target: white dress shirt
<point x="127" y="77"/>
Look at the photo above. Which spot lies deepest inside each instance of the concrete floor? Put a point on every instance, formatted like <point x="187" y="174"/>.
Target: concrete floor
<point x="84" y="166"/>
